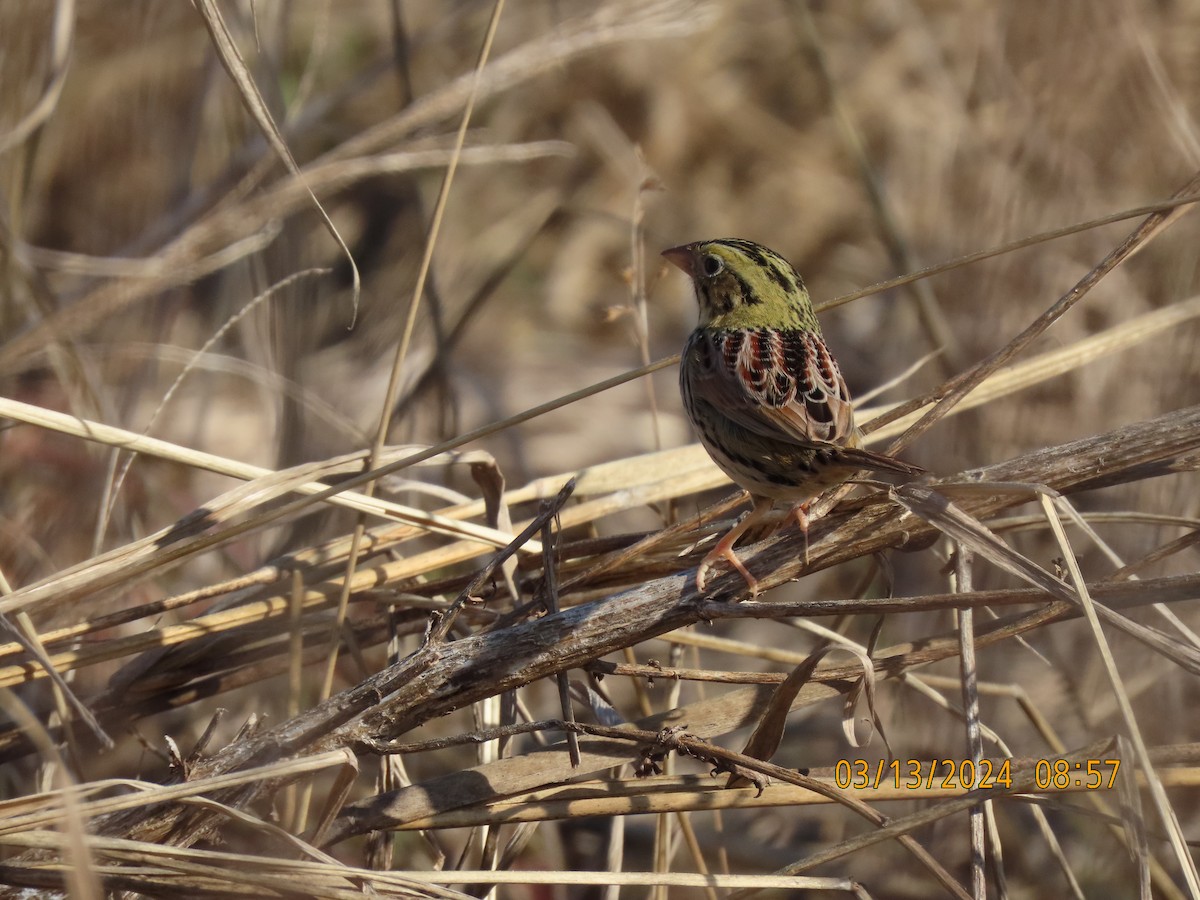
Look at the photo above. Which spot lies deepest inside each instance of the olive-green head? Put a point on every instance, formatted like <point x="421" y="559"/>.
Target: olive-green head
<point x="740" y="284"/>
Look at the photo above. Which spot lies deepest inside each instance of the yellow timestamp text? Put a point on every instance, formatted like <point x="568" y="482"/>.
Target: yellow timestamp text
<point x="968" y="775"/>
<point x="1062" y="774"/>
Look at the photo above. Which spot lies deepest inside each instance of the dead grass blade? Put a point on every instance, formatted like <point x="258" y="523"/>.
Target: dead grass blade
<point x="61" y="44"/>
<point x="235" y="66"/>
<point x="1136" y="212"/>
<point x="26" y="636"/>
<point x="949" y="394"/>
<point x="119" y="478"/>
<point x="1166" y="812"/>
<point x="934" y="507"/>
<point x="169" y="546"/>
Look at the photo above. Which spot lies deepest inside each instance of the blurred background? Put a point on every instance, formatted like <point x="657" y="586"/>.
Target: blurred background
<point x="143" y="210"/>
<point x="861" y="142"/>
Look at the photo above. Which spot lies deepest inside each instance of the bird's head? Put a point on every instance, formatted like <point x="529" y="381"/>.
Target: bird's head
<point x="740" y="284"/>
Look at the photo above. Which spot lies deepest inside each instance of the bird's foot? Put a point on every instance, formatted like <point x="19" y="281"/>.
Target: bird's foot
<point x="724" y="550"/>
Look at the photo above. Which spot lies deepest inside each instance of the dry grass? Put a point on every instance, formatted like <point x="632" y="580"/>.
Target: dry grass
<point x="239" y="665"/>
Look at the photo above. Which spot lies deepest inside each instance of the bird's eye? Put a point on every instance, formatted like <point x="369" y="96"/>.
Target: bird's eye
<point x="712" y="264"/>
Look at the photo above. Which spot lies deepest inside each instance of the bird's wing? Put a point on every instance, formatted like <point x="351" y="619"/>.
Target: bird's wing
<point x="784" y="386"/>
<point x="778" y="384"/>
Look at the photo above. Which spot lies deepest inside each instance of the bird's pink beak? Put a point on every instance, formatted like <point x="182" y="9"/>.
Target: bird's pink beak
<point x="682" y="257"/>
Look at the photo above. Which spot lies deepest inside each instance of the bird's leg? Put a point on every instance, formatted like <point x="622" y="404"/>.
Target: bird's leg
<point x="724" y="547"/>
<point x="800" y="512"/>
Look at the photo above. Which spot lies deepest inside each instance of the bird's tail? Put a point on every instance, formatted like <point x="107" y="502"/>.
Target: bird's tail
<point x="878" y="462"/>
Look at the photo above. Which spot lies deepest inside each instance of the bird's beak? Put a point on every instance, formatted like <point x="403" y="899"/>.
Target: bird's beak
<point x="681" y="257"/>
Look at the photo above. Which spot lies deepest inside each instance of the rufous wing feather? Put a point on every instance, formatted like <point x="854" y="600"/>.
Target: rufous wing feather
<point x="782" y="385"/>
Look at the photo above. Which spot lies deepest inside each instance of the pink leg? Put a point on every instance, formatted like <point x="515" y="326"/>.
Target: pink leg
<point x="800" y="512"/>
<point x="724" y="547"/>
